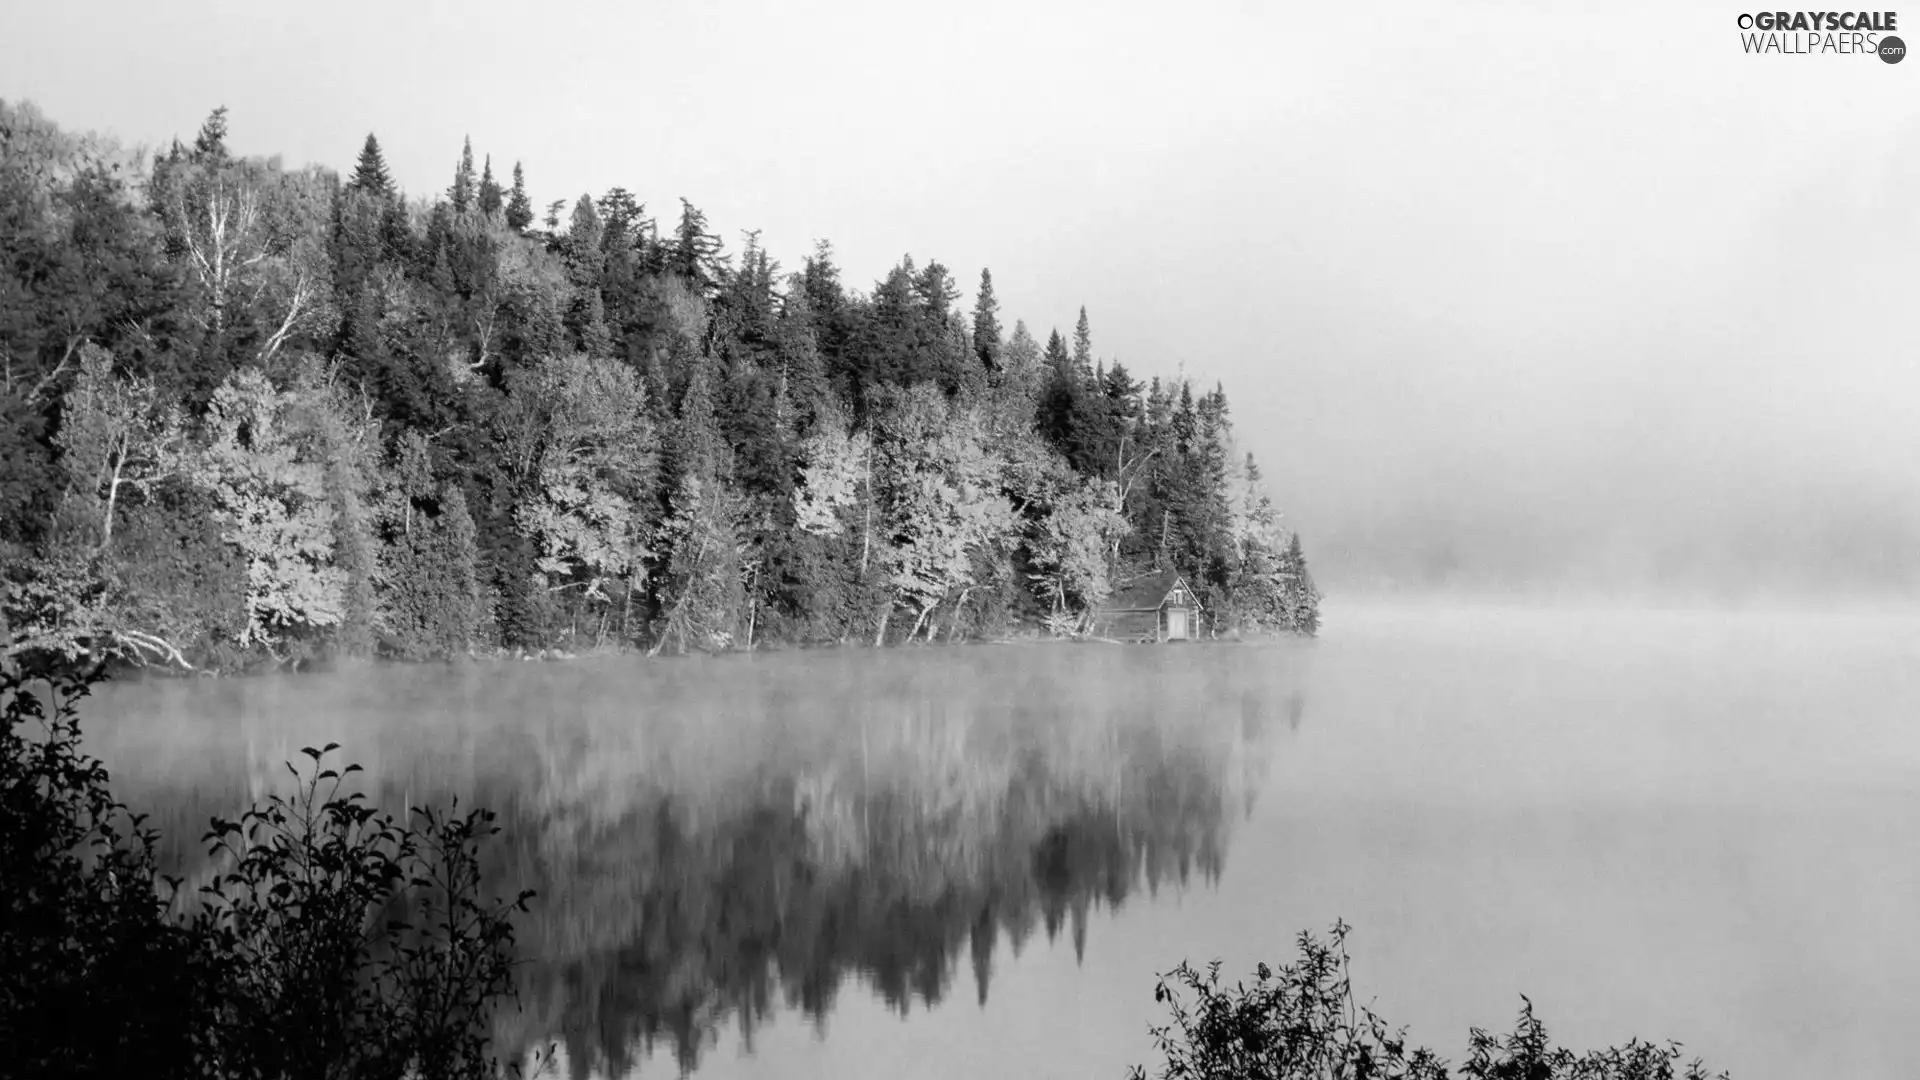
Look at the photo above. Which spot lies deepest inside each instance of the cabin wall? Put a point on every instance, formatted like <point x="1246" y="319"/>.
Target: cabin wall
<point x="1128" y="625"/>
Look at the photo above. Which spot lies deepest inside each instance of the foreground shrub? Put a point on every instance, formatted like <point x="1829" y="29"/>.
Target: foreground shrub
<point x="335" y="942"/>
<point x="93" y="976"/>
<point x="1302" y="1023"/>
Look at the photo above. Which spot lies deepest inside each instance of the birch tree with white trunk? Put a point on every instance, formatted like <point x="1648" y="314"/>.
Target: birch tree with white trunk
<point x="116" y="438"/>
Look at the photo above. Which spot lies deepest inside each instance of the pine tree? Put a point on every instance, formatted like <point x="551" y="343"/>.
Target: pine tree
<point x="1214" y="434"/>
<point x="370" y="174"/>
<point x="588" y="321"/>
<point x="1023" y="357"/>
<point x="701" y="591"/>
<point x="1159" y="406"/>
<point x="1186" y="425"/>
<point x="457" y="576"/>
<point x="1260" y="587"/>
<point x="623" y="217"/>
<point x="747" y="301"/>
<point x="821" y="278"/>
<point x="489" y="189"/>
<point x="1121" y="390"/>
<point x="519" y="207"/>
<point x="431" y="610"/>
<point x="1082" y="345"/>
<point x="210" y="146"/>
<point x="986" y="323"/>
<point x="1303" y="606"/>
<point x="889" y="350"/>
<point x="1072" y="414"/>
<point x="583" y="232"/>
<point x="698" y="445"/>
<point x="1057" y="358"/>
<point x="396" y="232"/>
<point x="695" y="250"/>
<point x="935" y="289"/>
<point x="804" y="386"/>
<point x="461" y="193"/>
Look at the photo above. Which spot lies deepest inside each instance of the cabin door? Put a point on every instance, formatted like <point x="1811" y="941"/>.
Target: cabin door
<point x="1176" y="624"/>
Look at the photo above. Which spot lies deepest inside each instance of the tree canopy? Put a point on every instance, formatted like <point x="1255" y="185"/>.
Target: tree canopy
<point x="256" y="414"/>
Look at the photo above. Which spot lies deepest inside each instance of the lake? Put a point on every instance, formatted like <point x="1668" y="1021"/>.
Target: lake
<point x="973" y="861"/>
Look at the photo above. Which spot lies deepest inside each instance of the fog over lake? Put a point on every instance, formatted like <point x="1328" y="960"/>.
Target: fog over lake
<point x="1684" y="824"/>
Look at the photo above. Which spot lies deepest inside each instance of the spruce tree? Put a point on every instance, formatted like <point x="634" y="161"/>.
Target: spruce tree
<point x="821" y="278"/>
<point x="695" y="250"/>
<point x="701" y="593"/>
<point x="461" y="193"/>
<point x="1120" y="388"/>
<point x="210" y="146"/>
<point x="396" y="232"/>
<point x="489" y="189"/>
<point x="1303" y="601"/>
<point x="935" y="289"/>
<point x="432" y="607"/>
<point x="519" y="207"/>
<point x="370" y="174"/>
<point x="698" y="446"/>
<point x="803" y="372"/>
<point x="623" y="216"/>
<point x="1186" y="425"/>
<point x="1214" y="434"/>
<point x="1082" y="345"/>
<point x="1057" y="358"/>
<point x="1023" y="354"/>
<point x="1069" y="415"/>
<point x="1159" y="405"/>
<point x="456" y="574"/>
<point x="583" y="232"/>
<point x="986" y="323"/>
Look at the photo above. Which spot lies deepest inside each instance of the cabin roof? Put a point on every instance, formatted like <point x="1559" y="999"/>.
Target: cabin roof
<point x="1148" y="593"/>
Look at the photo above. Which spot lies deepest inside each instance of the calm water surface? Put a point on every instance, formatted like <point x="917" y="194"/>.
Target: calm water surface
<point x="973" y="861"/>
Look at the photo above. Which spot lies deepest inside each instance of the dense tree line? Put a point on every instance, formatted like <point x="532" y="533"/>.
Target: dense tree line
<point x="250" y="412"/>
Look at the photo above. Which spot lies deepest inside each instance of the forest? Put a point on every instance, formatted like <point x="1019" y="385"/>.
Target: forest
<point x="256" y="415"/>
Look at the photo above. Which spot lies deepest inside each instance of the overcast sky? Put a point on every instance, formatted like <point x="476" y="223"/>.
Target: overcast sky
<point x="1499" y="294"/>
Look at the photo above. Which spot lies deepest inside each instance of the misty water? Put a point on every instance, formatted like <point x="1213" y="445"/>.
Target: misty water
<point x="972" y="861"/>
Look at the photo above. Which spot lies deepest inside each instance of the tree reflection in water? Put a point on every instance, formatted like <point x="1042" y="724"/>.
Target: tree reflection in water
<point x="714" y="840"/>
<point x="657" y="929"/>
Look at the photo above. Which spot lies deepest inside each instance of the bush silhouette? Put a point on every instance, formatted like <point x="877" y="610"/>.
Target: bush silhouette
<point x="1303" y="1023"/>
<point x="337" y="941"/>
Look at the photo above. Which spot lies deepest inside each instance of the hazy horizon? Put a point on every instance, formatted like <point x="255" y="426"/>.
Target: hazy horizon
<point x="1503" y="299"/>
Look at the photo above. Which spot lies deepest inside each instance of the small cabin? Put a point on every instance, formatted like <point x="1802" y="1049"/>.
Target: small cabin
<point x="1161" y="607"/>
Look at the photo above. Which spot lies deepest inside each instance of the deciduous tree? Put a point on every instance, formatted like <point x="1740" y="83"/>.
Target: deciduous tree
<point x="116" y="438"/>
<point x="272" y="502"/>
<point x="589" y="452"/>
<point x="943" y="508"/>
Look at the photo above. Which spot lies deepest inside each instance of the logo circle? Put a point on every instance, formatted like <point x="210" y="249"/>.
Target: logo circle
<point x="1892" y="50"/>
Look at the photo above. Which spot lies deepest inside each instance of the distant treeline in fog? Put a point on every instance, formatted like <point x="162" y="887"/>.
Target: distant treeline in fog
<point x="253" y="413"/>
